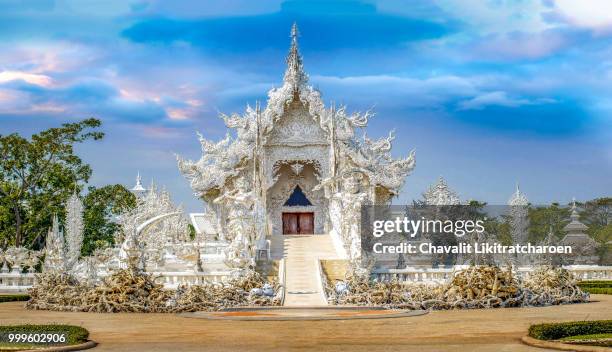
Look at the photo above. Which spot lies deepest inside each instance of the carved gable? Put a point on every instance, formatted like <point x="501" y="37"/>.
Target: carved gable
<point x="297" y="127"/>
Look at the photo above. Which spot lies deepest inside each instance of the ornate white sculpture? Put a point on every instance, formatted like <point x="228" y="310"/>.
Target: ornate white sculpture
<point x="440" y="194"/>
<point x="3" y="267"/>
<point x="32" y="260"/>
<point x="240" y="229"/>
<point x="151" y="246"/>
<point x="518" y="204"/>
<point x="519" y="222"/>
<point x="55" y="249"/>
<point x="352" y="198"/>
<point x="16" y="257"/>
<point x="74" y="231"/>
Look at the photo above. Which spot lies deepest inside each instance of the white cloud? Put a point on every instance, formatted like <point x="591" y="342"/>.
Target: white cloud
<point x="497" y="16"/>
<point x="39" y="80"/>
<point x="426" y="92"/>
<point x="498" y="98"/>
<point x="594" y="14"/>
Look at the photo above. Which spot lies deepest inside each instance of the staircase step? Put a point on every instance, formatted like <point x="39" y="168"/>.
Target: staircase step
<point x="302" y="253"/>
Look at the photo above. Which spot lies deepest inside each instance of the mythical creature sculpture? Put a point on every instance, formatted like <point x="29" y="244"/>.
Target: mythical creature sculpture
<point x="351" y="197"/>
<point x="240" y="229"/>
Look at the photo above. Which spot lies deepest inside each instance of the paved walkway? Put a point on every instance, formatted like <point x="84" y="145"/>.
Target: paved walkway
<point x="302" y="253"/>
<point x="462" y="330"/>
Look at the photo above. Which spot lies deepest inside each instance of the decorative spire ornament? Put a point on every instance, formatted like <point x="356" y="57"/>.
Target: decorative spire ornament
<point x="74" y="230"/>
<point x="295" y="74"/>
<point x="138" y="189"/>
<point x="440" y="194"/>
<point x="518" y="198"/>
<point x="519" y="221"/>
<point x="55" y="248"/>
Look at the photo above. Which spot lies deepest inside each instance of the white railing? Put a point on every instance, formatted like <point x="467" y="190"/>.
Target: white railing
<point x="176" y="279"/>
<point x="15" y="282"/>
<point x="413" y="274"/>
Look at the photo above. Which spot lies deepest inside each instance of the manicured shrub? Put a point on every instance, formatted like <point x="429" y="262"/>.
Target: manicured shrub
<point x="13" y="298"/>
<point x="598" y="290"/>
<point x="74" y="334"/>
<point x="557" y="331"/>
<point x="595" y="284"/>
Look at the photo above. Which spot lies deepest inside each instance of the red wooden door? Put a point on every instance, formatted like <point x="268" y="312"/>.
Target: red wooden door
<point x="290" y="223"/>
<point x="298" y="223"/>
<point x="306" y="223"/>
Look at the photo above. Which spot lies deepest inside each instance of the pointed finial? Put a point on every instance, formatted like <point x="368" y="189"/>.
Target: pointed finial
<point x="138" y="188"/>
<point x="574" y="215"/>
<point x="294" y="32"/>
<point x="295" y="72"/>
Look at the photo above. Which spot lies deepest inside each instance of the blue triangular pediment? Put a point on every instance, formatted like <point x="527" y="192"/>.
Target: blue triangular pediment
<point x="297" y="198"/>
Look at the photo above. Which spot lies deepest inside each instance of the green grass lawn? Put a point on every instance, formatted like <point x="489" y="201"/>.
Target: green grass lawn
<point x="604" y="339"/>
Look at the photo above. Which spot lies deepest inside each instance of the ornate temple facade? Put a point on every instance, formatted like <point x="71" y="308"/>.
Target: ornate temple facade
<point x="294" y="166"/>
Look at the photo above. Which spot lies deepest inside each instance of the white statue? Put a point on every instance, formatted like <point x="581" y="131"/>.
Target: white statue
<point x="240" y="229"/>
<point x="352" y="198"/>
<point x="74" y="231"/>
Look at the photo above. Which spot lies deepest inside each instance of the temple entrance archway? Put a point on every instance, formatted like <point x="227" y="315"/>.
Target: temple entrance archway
<point x="294" y="205"/>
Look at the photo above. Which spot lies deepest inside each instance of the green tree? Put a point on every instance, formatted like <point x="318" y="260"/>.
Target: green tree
<point x="597" y="215"/>
<point x="102" y="206"/>
<point x="542" y="219"/>
<point x="37" y="175"/>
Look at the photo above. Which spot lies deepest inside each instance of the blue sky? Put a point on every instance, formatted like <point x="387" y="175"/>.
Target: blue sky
<point x="490" y="93"/>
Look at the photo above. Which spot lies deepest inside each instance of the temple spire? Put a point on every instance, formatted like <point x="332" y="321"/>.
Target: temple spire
<point x="295" y="74"/>
<point x="138" y="189"/>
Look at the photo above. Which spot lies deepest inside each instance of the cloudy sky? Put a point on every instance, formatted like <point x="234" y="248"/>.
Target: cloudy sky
<point x="490" y="93"/>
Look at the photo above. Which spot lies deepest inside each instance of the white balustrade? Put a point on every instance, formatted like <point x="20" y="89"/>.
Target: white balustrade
<point x="16" y="282"/>
<point x="439" y="275"/>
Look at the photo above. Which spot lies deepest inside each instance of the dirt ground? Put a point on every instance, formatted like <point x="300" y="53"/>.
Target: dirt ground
<point x="466" y="330"/>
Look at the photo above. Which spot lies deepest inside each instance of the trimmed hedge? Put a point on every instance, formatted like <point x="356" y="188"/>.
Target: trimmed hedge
<point x="598" y="291"/>
<point x="596" y="287"/>
<point x="597" y="284"/>
<point x="557" y="331"/>
<point x="14" y="298"/>
<point x="74" y="334"/>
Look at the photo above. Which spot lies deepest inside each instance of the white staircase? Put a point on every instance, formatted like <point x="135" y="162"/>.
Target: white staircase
<point x="302" y="278"/>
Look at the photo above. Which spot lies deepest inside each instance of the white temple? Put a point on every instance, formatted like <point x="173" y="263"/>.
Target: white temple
<point x="295" y="166"/>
